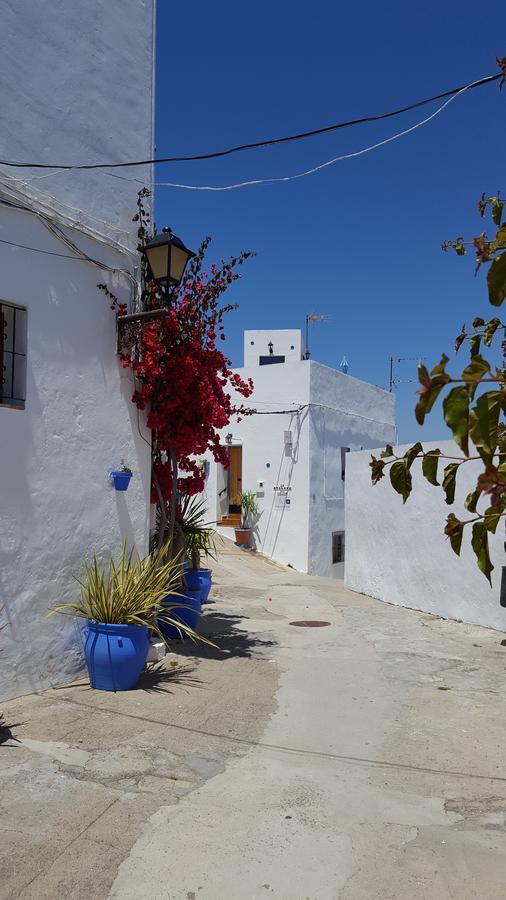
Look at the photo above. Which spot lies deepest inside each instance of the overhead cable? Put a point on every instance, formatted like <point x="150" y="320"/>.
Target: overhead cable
<point x="268" y="142"/>
<point x="312" y="171"/>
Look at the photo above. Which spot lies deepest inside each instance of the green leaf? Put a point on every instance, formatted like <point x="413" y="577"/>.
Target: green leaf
<point x="428" y="396"/>
<point x="459" y="340"/>
<point x="454" y="530"/>
<point x="479" y="543"/>
<point x="492" y="518"/>
<point x="476" y="370"/>
<point x="456" y="413"/>
<point x="449" y="481"/>
<point x="496" y="280"/>
<point x="412" y="453"/>
<point x="484" y="423"/>
<point x="471" y="500"/>
<point x="429" y="466"/>
<point x="387" y="452"/>
<point x="478" y="322"/>
<point x="474" y="345"/>
<point x="401" y="480"/>
<point x="440" y="368"/>
<point x="497" y="208"/>
<point x="490" y="330"/>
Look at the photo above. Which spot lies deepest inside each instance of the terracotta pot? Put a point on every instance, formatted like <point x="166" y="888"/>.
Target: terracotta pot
<point x="243" y="536"/>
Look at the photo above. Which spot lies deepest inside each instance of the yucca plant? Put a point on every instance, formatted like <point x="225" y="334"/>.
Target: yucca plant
<point x="249" y="508"/>
<point x="130" y="592"/>
<point x="198" y="536"/>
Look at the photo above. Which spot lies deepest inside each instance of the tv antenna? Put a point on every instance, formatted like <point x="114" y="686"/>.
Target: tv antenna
<point x="312" y="317"/>
<point x="395" y="361"/>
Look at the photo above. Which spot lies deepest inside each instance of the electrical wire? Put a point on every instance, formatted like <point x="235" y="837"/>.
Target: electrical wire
<point x="256" y="144"/>
<point x="312" y="171"/>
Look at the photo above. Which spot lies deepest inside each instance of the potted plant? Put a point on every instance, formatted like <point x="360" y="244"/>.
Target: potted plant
<point x="249" y="510"/>
<point x="121" y="477"/>
<point x="122" y="603"/>
<point x="199" y="539"/>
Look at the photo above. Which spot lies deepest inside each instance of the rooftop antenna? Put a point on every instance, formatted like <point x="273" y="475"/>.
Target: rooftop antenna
<point x="344" y="366"/>
<point x="312" y="317"/>
<point x="394" y="362"/>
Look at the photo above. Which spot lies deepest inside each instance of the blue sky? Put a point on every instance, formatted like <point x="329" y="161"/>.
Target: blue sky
<point x="360" y="241"/>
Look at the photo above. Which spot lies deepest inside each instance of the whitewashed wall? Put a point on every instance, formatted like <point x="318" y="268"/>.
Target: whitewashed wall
<point x="398" y="553"/>
<point x="345" y="412"/>
<point x="56" y="504"/>
<point x="338" y="411"/>
<point x="77" y="87"/>
<point x="281" y="532"/>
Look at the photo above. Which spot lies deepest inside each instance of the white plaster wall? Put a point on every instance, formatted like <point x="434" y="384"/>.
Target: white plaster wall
<point x="345" y="412"/>
<point x="286" y="342"/>
<point x="282" y="533"/>
<point x="398" y="553"/>
<point x="77" y="87"/>
<point x="56" y="505"/>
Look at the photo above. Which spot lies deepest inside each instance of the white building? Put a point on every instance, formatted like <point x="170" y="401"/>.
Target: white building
<point x="292" y="451"/>
<point x="398" y="552"/>
<point x="77" y="88"/>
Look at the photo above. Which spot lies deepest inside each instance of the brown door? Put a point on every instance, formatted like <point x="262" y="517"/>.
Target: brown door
<point x="235" y="479"/>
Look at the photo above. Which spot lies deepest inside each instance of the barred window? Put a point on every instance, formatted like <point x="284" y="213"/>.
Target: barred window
<point x="337" y="546"/>
<point x="12" y="355"/>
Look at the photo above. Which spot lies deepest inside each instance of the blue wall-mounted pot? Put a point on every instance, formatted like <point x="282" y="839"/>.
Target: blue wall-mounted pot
<point x="121" y="480"/>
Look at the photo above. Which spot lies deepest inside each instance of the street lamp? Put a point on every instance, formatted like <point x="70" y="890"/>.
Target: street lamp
<point x="166" y="256"/>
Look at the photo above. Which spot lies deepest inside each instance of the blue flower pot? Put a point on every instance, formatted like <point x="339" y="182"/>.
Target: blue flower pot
<point x="186" y="609"/>
<point x="199" y="579"/>
<point x="115" y="655"/>
<point x="121" y="480"/>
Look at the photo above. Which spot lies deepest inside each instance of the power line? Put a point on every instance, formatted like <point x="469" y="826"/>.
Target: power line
<point x="304" y="174"/>
<point x="255" y="144"/>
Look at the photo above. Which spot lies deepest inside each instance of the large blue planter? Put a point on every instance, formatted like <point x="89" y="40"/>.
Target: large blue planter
<point x="121" y="480"/>
<point x="115" y="655"/>
<point x="199" y="579"/>
<point x="186" y="609"/>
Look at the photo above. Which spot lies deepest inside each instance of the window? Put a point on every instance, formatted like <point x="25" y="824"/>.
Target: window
<point x="12" y="355"/>
<point x="344" y="451"/>
<point x="337" y="547"/>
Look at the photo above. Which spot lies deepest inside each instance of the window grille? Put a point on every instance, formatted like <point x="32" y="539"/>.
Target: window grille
<point x="337" y="547"/>
<point x="270" y="360"/>
<point x="12" y="355"/>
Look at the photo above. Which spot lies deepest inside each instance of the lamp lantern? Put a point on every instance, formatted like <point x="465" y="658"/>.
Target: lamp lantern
<point x="167" y="257"/>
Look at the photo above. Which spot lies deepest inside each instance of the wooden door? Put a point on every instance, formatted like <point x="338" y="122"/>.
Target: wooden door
<point x="235" y="479"/>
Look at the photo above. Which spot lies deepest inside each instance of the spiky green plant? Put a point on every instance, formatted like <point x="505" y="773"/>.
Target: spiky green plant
<point x="198" y="536"/>
<point x="130" y="592"/>
<point x="249" y="508"/>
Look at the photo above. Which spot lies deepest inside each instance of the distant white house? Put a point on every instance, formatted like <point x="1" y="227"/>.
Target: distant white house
<point x="292" y="451"/>
<point x="77" y="88"/>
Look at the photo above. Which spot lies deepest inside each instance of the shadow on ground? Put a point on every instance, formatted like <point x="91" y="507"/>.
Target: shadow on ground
<point x="6" y="731"/>
<point x="222" y="628"/>
<point x="158" y="679"/>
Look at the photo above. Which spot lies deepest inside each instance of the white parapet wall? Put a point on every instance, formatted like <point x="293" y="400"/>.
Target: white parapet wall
<point x="398" y="552"/>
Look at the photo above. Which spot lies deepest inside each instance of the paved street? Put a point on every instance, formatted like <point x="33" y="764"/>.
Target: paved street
<point x="362" y="760"/>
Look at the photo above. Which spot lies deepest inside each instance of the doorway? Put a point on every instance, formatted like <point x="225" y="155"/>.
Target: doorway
<point x="235" y="479"/>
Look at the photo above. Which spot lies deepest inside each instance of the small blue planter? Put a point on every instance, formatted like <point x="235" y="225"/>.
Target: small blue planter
<point x="121" y="480"/>
<point x="186" y="609"/>
<point x="115" y="655"/>
<point x="199" y="579"/>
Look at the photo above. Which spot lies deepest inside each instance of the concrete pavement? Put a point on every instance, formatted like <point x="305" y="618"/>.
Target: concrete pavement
<point x="362" y="759"/>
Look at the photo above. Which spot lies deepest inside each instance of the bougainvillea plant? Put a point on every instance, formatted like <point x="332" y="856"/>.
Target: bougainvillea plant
<point x="183" y="379"/>
<point x="474" y="407"/>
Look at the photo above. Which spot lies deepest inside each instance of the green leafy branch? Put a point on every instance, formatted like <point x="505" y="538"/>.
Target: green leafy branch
<point x="475" y="417"/>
